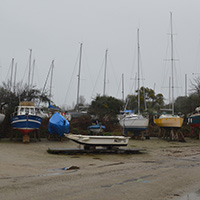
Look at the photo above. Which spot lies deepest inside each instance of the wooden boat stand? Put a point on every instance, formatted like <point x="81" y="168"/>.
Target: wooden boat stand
<point x="172" y="134"/>
<point x="25" y="138"/>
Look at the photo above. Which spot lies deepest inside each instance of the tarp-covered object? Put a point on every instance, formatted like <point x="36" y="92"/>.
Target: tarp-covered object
<point x="58" y="125"/>
<point x="52" y="107"/>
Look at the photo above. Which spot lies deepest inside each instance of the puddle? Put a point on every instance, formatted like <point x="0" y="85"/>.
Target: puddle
<point x="52" y="174"/>
<point x="136" y="180"/>
<point x="190" y="196"/>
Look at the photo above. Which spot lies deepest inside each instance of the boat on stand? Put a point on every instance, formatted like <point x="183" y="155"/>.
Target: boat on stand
<point x="92" y="141"/>
<point x="26" y="119"/>
<point x="194" y="118"/>
<point x="135" y="122"/>
<point x="170" y="121"/>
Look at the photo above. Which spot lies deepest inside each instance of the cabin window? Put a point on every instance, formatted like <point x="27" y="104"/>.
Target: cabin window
<point x="22" y="111"/>
<point x="32" y="111"/>
<point x="26" y="110"/>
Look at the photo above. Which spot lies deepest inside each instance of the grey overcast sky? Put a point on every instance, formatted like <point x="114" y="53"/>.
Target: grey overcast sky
<point x="54" y="29"/>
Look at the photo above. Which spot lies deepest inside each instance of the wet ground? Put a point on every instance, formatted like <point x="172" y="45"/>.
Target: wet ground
<point x="167" y="170"/>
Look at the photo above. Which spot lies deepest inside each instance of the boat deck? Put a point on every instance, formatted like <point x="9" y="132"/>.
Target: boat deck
<point x="74" y="151"/>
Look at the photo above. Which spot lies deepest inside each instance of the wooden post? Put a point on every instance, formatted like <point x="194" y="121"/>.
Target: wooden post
<point x="38" y="135"/>
<point x="191" y="132"/>
<point x="11" y="135"/>
<point x="172" y="134"/>
<point x="26" y="139"/>
<point x="199" y="134"/>
<point x="142" y="135"/>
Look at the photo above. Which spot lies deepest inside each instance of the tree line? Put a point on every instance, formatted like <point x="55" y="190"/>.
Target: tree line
<point x="103" y="108"/>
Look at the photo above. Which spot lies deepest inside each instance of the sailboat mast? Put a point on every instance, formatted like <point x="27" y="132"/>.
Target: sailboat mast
<point x="15" y="77"/>
<point x="33" y="72"/>
<point x="172" y="63"/>
<point x="123" y="88"/>
<point x="11" y="77"/>
<point x="104" y="86"/>
<point x="79" y="72"/>
<point x="51" y="81"/>
<point x="29" y="73"/>
<point x="138" y="71"/>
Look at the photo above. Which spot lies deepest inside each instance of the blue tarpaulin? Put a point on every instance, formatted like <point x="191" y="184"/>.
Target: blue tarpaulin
<point x="52" y="107"/>
<point x="58" y="125"/>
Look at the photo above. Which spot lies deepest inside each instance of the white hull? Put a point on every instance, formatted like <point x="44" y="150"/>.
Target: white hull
<point x="134" y="122"/>
<point x="99" y="140"/>
<point x="2" y="116"/>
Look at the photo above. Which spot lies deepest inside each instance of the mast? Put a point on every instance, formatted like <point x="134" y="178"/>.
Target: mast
<point x="79" y="72"/>
<point x="104" y="86"/>
<point x="51" y="80"/>
<point x="186" y="85"/>
<point x="138" y="72"/>
<point x="33" y="72"/>
<point x="50" y="71"/>
<point x="172" y="63"/>
<point x="29" y="73"/>
<point x="15" y="77"/>
<point x="11" y="76"/>
<point x="123" y="87"/>
<point x="169" y="92"/>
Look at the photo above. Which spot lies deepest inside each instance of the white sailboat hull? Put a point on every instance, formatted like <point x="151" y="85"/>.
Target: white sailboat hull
<point x="99" y="140"/>
<point x="2" y="116"/>
<point x="134" y="122"/>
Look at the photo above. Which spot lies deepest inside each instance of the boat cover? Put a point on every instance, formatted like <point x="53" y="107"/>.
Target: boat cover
<point x="52" y="107"/>
<point x="58" y="125"/>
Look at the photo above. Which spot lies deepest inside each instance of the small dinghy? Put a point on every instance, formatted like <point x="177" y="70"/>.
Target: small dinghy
<point x="106" y="141"/>
<point x="97" y="128"/>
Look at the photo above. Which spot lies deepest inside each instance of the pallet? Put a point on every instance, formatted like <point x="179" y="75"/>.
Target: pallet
<point x="74" y="151"/>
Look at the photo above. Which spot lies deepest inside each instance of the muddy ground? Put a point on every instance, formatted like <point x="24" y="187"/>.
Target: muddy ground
<point x="166" y="170"/>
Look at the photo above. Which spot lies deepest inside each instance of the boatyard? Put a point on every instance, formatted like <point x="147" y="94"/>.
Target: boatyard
<point x="166" y="170"/>
<point x="100" y="100"/>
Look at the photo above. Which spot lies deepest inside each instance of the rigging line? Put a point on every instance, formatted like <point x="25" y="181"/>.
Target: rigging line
<point x="166" y="66"/>
<point x="196" y="65"/>
<point x="118" y="88"/>
<point x="33" y="72"/>
<point x="36" y="75"/>
<point x="178" y="82"/>
<point x="27" y="65"/>
<point x="141" y="69"/>
<point x="87" y="64"/>
<point x="71" y="79"/>
<point x="132" y="70"/>
<point x="46" y="79"/>
<point x="112" y="66"/>
<point x="133" y="85"/>
<point x="9" y="69"/>
<point x="100" y="70"/>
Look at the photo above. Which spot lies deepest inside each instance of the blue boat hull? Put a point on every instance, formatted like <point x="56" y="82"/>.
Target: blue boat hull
<point x="96" y="127"/>
<point x="26" y="123"/>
